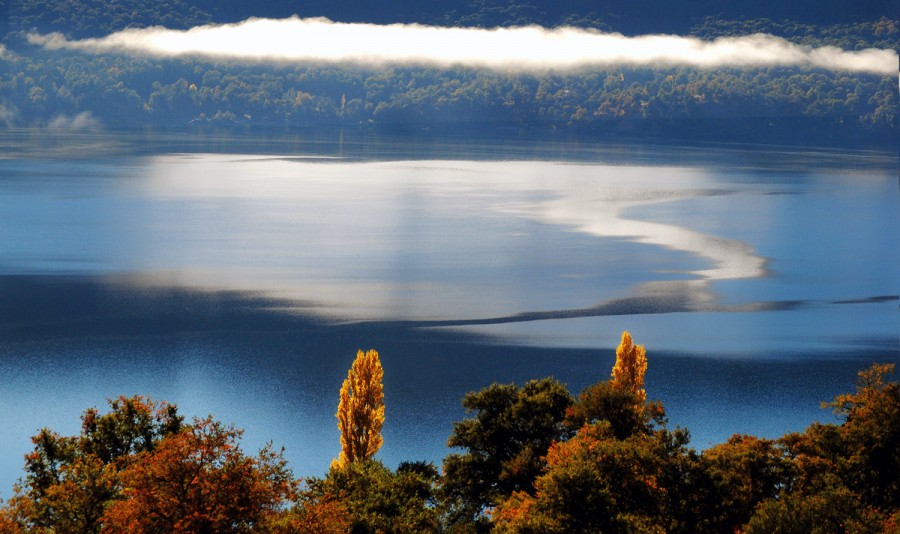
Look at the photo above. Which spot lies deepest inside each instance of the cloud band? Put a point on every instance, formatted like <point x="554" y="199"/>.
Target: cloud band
<point x="528" y="48"/>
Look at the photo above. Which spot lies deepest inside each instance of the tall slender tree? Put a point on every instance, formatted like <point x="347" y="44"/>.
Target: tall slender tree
<point x="361" y="409"/>
<point x="631" y="364"/>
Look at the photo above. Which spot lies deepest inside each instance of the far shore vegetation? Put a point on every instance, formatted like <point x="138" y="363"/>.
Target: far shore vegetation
<point x="530" y="458"/>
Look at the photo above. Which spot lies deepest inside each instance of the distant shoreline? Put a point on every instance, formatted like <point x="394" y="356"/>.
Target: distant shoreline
<point x="418" y="141"/>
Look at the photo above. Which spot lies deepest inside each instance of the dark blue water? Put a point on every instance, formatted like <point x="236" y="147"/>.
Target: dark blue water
<point x="239" y="277"/>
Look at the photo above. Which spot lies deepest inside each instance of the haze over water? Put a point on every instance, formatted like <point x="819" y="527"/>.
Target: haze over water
<point x="239" y="277"/>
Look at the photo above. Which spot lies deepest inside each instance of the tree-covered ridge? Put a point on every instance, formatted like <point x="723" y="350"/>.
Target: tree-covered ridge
<point x="531" y="458"/>
<point x="91" y="18"/>
<point x="882" y="33"/>
<point x="121" y="92"/>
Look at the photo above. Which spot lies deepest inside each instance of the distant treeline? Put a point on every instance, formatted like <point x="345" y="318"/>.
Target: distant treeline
<point x="50" y="89"/>
<point x="91" y="18"/>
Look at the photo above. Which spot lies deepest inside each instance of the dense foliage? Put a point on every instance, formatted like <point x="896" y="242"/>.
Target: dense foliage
<point x="534" y="459"/>
<point x="505" y="442"/>
<point x="366" y="496"/>
<point x="53" y="90"/>
<point x="92" y="18"/>
<point x="141" y="468"/>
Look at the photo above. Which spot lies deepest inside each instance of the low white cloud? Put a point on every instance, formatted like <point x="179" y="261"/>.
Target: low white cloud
<point x="526" y="48"/>
<point x="7" y="115"/>
<point x="82" y="121"/>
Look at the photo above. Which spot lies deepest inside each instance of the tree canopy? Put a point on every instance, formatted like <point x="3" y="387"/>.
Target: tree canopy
<point x="141" y="468"/>
<point x="534" y="459"/>
<point x="505" y="441"/>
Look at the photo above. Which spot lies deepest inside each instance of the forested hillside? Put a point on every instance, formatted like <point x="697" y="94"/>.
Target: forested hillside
<point x="85" y="18"/>
<point x="44" y="88"/>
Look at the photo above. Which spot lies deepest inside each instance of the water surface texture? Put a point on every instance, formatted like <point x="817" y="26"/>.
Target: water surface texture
<point x="239" y="277"/>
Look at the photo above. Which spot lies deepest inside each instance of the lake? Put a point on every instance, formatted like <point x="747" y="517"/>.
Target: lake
<point x="238" y="275"/>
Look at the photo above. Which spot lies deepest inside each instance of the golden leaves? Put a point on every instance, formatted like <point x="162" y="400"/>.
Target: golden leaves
<point x="631" y="364"/>
<point x="361" y="409"/>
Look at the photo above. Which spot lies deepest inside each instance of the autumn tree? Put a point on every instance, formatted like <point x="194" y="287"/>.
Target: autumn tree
<point x="622" y="471"/>
<point x="361" y="409"/>
<point x="871" y="436"/>
<point x="621" y="401"/>
<point x="8" y="523"/>
<point x="141" y="468"/>
<point x="842" y="477"/>
<point x="324" y="514"/>
<point x="199" y="480"/>
<point x="593" y="483"/>
<point x="70" y="479"/>
<point x="596" y="482"/>
<point x="631" y="364"/>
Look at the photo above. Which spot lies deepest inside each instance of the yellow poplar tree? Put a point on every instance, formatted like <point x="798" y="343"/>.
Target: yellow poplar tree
<point x="361" y="409"/>
<point x="631" y="364"/>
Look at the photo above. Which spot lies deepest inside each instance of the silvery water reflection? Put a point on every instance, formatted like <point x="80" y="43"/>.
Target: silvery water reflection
<point x="379" y="239"/>
<point x="242" y="284"/>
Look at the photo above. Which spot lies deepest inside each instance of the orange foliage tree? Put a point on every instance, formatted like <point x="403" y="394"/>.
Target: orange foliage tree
<point x="361" y="409"/>
<point x="70" y="479"/>
<point x="631" y="364"/>
<point x="199" y="480"/>
<point x="315" y="515"/>
<point x="140" y="468"/>
<point x="596" y="482"/>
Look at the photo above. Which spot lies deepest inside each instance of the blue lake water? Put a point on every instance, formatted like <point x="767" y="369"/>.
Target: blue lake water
<point x="238" y="276"/>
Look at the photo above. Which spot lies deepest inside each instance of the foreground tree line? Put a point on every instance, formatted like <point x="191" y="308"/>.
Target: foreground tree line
<point x="531" y="458"/>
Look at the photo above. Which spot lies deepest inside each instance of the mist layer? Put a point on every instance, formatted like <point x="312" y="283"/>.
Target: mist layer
<point x="529" y="48"/>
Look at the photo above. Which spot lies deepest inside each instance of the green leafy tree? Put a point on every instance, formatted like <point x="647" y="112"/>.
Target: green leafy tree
<point x="826" y="512"/>
<point x="365" y="496"/>
<point x="622" y="408"/>
<point x="747" y="470"/>
<point x="506" y="440"/>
